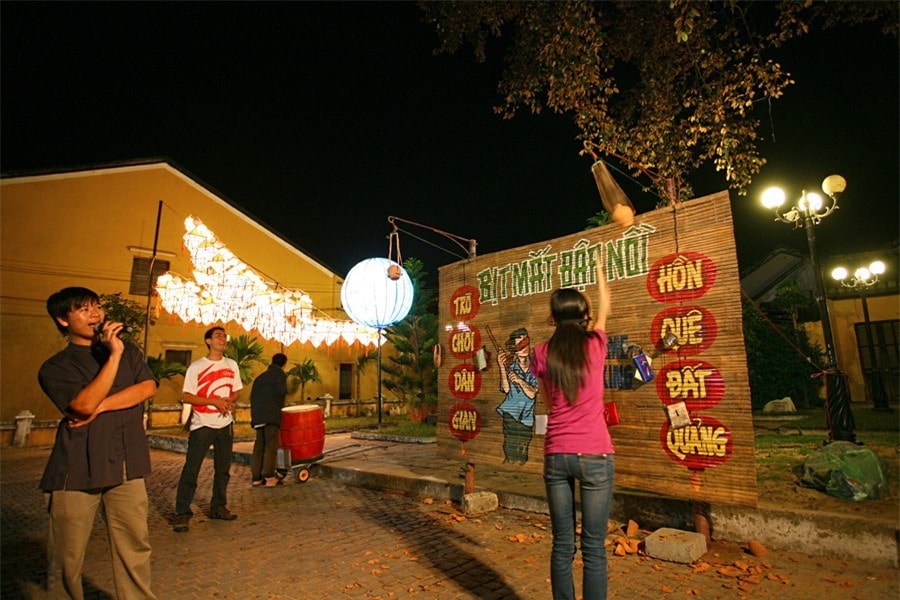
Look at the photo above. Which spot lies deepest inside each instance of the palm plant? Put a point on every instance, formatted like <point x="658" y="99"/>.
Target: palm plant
<point x="245" y="351"/>
<point x="304" y="373"/>
<point x="163" y="369"/>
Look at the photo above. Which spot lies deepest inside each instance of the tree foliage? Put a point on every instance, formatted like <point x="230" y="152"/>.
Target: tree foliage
<point x="128" y="312"/>
<point x="245" y="351"/>
<point x="664" y="87"/>
<point x="781" y="361"/>
<point x="411" y="372"/>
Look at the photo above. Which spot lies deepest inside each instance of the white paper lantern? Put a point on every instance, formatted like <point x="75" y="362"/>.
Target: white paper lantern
<point x="373" y="299"/>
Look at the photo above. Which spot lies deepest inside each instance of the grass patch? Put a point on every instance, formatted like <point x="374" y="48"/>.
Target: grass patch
<point x="865" y="417"/>
<point x="779" y="459"/>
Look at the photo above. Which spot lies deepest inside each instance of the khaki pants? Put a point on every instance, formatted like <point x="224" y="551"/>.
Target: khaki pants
<point x="72" y="515"/>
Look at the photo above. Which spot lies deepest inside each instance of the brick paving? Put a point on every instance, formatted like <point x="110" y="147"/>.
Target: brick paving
<point x="330" y="539"/>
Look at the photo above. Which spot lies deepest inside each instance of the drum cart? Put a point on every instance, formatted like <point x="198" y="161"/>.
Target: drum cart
<point x="300" y="469"/>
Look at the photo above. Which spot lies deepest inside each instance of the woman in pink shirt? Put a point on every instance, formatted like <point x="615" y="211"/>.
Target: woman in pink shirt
<point x="569" y="370"/>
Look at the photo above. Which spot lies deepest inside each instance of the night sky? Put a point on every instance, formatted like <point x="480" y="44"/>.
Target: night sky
<point x="321" y="119"/>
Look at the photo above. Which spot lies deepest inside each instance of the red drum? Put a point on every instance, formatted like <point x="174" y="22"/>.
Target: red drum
<point x="303" y="432"/>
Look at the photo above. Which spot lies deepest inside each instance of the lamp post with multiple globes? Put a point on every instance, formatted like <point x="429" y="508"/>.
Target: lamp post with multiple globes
<point x="808" y="211"/>
<point x="864" y="278"/>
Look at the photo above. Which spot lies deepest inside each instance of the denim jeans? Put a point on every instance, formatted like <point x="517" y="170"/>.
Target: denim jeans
<point x="222" y="441"/>
<point x="596" y="474"/>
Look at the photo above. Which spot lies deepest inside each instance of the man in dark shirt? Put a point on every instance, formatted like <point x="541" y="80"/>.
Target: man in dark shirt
<point x="266" y="402"/>
<point x="99" y="383"/>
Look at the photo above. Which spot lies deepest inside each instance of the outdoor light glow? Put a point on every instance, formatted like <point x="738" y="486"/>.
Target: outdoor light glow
<point x="839" y="273"/>
<point x="863" y="276"/>
<point x="834" y="185"/>
<point x="773" y="197"/>
<point x="812" y="203"/>
<point x="373" y="299"/>
<point x="224" y="289"/>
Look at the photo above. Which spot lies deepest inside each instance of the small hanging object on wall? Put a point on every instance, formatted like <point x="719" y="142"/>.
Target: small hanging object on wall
<point x="615" y="202"/>
<point x="678" y="415"/>
<point x="395" y="270"/>
<point x="438" y="355"/>
<point x="643" y="371"/>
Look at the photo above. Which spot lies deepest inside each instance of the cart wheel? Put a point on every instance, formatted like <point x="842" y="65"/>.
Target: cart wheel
<point x="302" y="475"/>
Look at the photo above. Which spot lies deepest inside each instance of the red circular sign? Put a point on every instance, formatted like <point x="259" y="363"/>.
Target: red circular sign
<point x="704" y="444"/>
<point x="694" y="328"/>
<point x="464" y="303"/>
<point x="464" y="421"/>
<point x="465" y="342"/>
<point x="681" y="276"/>
<point x="697" y="383"/>
<point x="464" y="381"/>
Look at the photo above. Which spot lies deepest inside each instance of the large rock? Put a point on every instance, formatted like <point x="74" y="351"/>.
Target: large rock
<point x="785" y="405"/>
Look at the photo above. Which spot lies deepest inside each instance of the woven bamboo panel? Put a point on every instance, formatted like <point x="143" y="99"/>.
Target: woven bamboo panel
<point x="674" y="271"/>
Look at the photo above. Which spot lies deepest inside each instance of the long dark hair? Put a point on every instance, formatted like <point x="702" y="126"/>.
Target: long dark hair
<point x="565" y="350"/>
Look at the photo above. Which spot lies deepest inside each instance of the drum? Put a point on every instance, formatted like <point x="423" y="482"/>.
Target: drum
<point x="303" y="432"/>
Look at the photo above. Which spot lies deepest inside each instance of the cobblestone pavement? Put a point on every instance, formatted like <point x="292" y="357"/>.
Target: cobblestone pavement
<point x="327" y="539"/>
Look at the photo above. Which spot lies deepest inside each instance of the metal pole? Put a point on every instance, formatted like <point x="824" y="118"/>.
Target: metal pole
<point x="379" y="378"/>
<point x="838" y="414"/>
<point x="149" y="404"/>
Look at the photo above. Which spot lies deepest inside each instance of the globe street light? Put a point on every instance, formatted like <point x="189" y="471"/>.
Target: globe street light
<point x="809" y="210"/>
<point x="864" y="278"/>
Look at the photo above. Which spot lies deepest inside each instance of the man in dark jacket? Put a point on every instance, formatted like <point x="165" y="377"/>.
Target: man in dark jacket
<point x="266" y="401"/>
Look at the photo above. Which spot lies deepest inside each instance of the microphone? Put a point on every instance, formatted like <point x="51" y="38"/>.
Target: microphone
<point x="98" y="329"/>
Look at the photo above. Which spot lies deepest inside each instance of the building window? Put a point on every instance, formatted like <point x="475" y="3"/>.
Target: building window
<point x="179" y="356"/>
<point x="346" y="384"/>
<point x="140" y="274"/>
<point x="886" y="345"/>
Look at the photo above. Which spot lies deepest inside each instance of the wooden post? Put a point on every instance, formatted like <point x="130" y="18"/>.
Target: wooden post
<point x="470" y="478"/>
<point x="701" y="520"/>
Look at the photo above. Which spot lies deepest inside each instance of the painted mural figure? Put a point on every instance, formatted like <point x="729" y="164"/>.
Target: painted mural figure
<point x="520" y="387"/>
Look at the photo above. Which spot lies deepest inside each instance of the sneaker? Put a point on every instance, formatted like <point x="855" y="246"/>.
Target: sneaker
<point x="182" y="523"/>
<point x="273" y="482"/>
<point x="223" y="514"/>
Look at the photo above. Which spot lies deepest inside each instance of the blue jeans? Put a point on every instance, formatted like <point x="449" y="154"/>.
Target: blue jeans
<point x="199" y="442"/>
<point x="596" y="474"/>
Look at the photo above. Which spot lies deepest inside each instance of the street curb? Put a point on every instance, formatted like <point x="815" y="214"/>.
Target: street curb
<point x="817" y="534"/>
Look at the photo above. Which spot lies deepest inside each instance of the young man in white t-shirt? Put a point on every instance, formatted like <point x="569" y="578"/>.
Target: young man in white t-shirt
<point x="212" y="385"/>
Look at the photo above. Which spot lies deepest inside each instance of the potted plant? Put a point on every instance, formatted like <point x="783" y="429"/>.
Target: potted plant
<point x="420" y="406"/>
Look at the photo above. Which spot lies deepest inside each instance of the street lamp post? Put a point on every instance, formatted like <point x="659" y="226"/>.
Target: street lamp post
<point x="808" y="212"/>
<point x="864" y="278"/>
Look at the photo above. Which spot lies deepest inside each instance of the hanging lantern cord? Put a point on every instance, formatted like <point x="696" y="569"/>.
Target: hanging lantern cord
<point x="394" y="243"/>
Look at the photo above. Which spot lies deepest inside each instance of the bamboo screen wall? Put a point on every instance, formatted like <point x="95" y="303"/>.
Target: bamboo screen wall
<point x="674" y="271"/>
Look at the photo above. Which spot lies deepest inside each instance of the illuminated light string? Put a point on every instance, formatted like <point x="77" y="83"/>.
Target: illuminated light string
<point x="224" y="289"/>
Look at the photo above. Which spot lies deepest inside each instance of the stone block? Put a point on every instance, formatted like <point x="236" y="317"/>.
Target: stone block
<point x="675" y="545"/>
<point x="785" y="405"/>
<point x="478" y="503"/>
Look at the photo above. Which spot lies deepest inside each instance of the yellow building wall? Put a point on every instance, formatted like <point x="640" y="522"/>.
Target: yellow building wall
<point x="84" y="228"/>
<point x="845" y="313"/>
